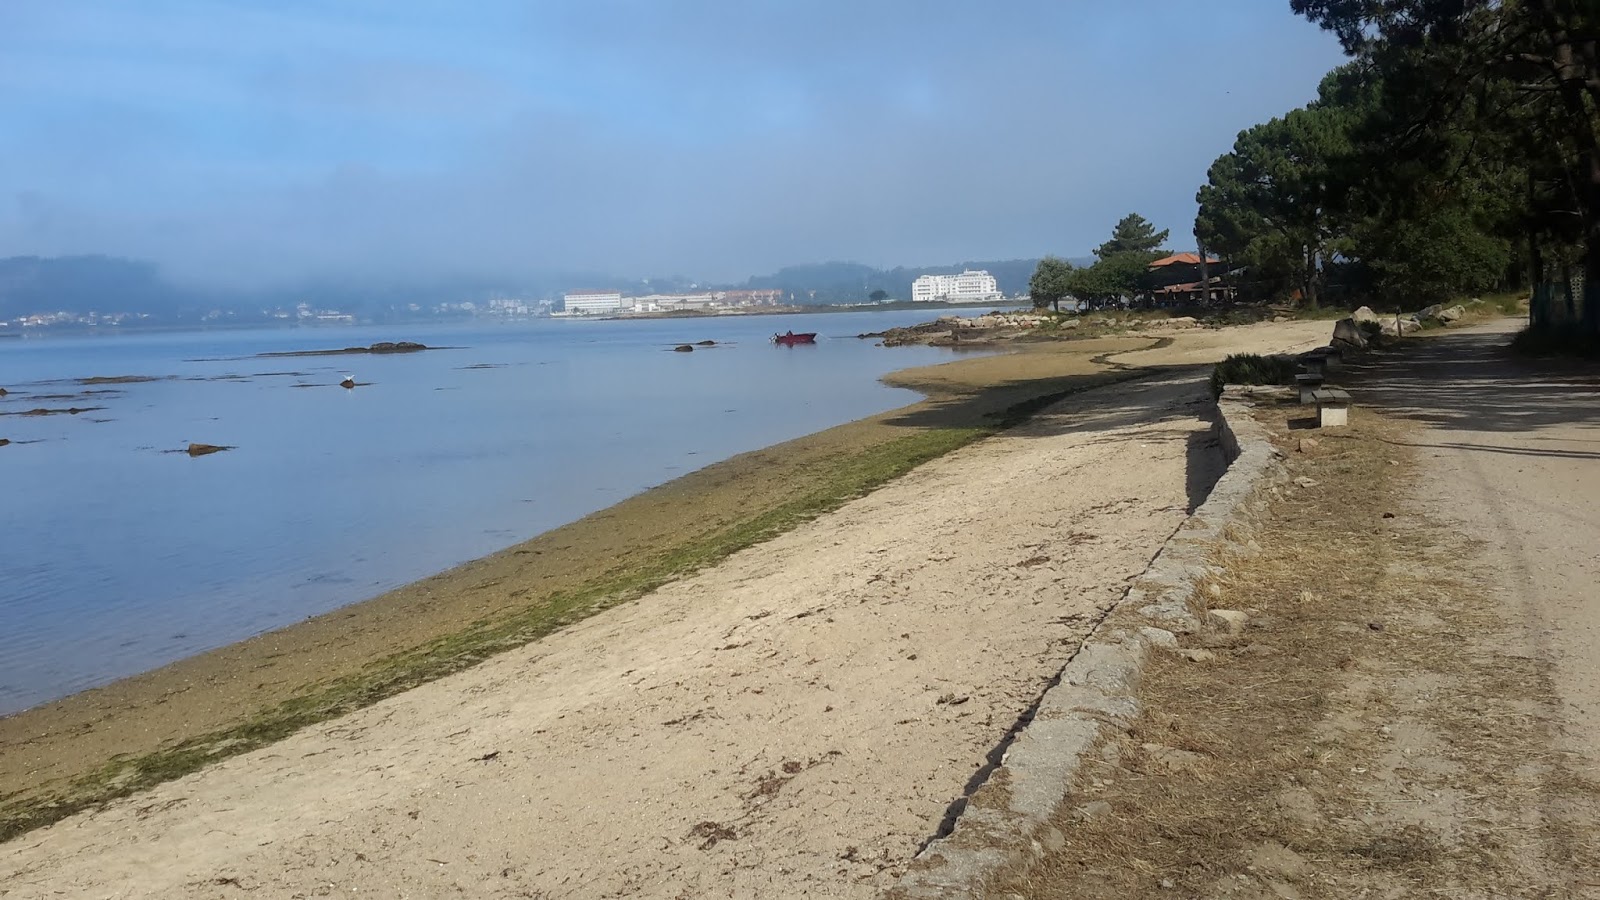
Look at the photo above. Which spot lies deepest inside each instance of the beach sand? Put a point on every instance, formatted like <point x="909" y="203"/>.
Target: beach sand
<point x="803" y="711"/>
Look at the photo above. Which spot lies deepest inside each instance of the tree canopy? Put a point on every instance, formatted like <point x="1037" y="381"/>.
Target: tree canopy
<point x="1051" y="283"/>
<point x="1134" y="234"/>
<point x="1505" y="92"/>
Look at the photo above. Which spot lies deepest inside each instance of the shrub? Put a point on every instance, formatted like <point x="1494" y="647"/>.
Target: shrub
<point x="1249" y="368"/>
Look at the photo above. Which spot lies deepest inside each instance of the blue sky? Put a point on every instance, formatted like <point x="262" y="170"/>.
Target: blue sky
<point x="254" y="142"/>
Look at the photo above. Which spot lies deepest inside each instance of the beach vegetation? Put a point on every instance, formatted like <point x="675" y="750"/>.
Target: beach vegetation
<point x="1250" y="368"/>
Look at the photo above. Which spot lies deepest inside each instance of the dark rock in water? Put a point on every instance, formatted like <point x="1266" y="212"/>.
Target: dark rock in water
<point x="684" y="348"/>
<point x="205" y="449"/>
<point x="396" y="347"/>
<point x="347" y="382"/>
<point x="705" y="343"/>
<point x="4" y="441"/>
<point x="2" y="392"/>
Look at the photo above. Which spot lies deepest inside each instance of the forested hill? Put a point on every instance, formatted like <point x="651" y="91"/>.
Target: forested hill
<point x="844" y="282"/>
<point x="31" y="284"/>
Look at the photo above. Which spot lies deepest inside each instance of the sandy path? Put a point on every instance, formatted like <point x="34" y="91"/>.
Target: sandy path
<point x="1212" y="345"/>
<point x="793" y="722"/>
<point x="1515" y="460"/>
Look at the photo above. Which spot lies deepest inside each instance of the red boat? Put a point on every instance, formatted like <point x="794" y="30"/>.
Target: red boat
<point x="789" y="339"/>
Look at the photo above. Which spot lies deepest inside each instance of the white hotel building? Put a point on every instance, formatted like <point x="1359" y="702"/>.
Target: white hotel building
<point x="587" y="303"/>
<point x="969" y="286"/>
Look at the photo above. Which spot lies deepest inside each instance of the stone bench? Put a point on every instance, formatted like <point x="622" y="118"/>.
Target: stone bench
<point x="1333" y="407"/>
<point x="1308" y="383"/>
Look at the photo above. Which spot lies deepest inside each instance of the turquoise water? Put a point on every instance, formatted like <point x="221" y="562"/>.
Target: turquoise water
<point x="120" y="555"/>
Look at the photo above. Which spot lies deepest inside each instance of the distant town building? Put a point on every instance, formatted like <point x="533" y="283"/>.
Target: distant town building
<point x="586" y="303"/>
<point x="751" y="298"/>
<point x="970" y="286"/>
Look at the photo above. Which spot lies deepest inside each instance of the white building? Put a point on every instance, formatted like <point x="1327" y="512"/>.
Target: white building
<point x="585" y="303"/>
<point x="970" y="286"/>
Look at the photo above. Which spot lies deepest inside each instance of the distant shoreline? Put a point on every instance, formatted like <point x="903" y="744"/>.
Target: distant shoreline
<point x="824" y="309"/>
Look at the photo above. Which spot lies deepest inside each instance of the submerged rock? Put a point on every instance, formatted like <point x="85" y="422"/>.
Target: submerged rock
<point x="205" y="449"/>
<point x="705" y="343"/>
<point x="683" y="348"/>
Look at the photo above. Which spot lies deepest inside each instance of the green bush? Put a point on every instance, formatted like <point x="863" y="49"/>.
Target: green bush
<point x="1249" y="368"/>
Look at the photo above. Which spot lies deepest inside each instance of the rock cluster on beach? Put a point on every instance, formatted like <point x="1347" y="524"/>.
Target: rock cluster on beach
<point x="957" y="331"/>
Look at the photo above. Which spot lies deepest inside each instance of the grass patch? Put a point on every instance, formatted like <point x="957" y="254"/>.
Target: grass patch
<point x="1250" y="368"/>
<point x="828" y="485"/>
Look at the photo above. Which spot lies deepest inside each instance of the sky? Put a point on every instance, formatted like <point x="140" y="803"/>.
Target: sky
<point x="255" y="143"/>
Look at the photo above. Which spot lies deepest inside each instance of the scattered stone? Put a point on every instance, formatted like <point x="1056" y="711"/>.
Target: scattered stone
<point x="1171" y="758"/>
<point x="1198" y="656"/>
<point x="683" y="348"/>
<point x="205" y="449"/>
<point x="1088" y="812"/>
<point x="1167" y="884"/>
<point x="1277" y="860"/>
<point x="1159" y="637"/>
<point x="1309" y="444"/>
<point x="1230" y="621"/>
<point x="1375" y="626"/>
<point x="1388" y="515"/>
<point x="1305" y="482"/>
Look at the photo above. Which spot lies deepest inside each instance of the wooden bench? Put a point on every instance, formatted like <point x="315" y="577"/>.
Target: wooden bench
<point x="1333" y="407"/>
<point x="1308" y="382"/>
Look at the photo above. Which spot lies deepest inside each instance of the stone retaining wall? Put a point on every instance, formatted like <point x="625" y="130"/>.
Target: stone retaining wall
<point x="1006" y="824"/>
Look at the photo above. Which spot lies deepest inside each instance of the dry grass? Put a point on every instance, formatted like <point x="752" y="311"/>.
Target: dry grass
<point x="1373" y="732"/>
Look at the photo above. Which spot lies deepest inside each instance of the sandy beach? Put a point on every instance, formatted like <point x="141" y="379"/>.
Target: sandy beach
<point x="796" y="719"/>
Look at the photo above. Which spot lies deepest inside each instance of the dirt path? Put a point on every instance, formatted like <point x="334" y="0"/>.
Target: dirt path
<point x="794" y="721"/>
<point x="1410" y="710"/>
<point x="1512" y="455"/>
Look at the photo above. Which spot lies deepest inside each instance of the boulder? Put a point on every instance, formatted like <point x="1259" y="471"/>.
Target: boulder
<point x="1348" y="333"/>
<point x="1405" y="326"/>
<point x="1451" y="314"/>
<point x="683" y="348"/>
<point x="1429" y="312"/>
<point x="1364" y="314"/>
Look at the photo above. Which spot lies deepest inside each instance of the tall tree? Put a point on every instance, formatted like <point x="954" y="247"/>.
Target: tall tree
<point x="1115" y="279"/>
<point x="1134" y="234"/>
<point x="1436" y="56"/>
<point x="1051" y="283"/>
<point x="1267" y="203"/>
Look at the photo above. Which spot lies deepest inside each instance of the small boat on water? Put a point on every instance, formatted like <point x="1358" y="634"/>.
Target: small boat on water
<point x="789" y="339"/>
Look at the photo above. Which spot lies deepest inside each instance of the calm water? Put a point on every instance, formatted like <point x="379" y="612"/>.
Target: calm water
<point x="119" y="556"/>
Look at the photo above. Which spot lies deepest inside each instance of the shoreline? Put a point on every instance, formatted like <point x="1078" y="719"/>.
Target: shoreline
<point x="123" y="737"/>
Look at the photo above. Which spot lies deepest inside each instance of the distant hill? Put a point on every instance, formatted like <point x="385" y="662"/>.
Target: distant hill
<point x="847" y="282"/>
<point x="32" y="284"/>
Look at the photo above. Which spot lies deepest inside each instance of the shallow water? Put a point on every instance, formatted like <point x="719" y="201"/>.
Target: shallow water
<point x="120" y="555"/>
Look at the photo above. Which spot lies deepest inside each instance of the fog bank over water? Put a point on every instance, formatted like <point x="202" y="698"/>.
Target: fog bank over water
<point x="356" y="140"/>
